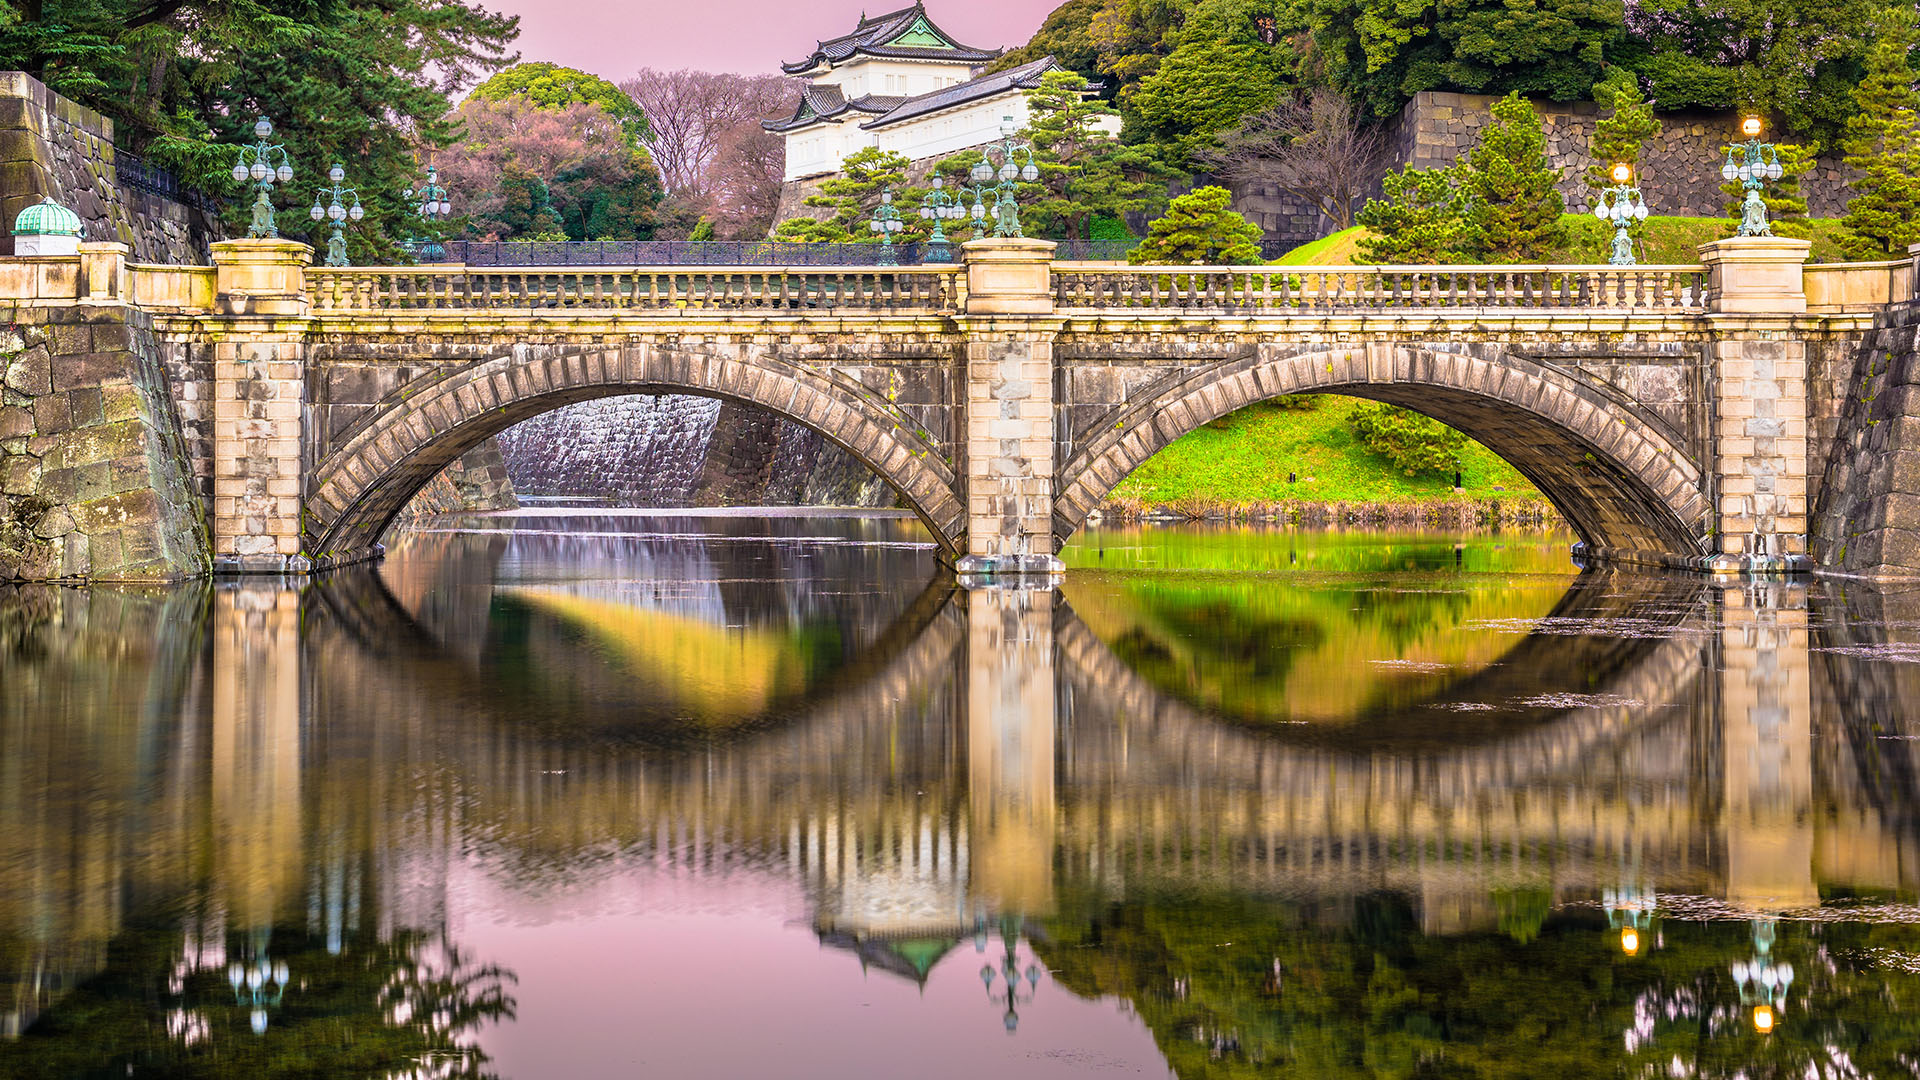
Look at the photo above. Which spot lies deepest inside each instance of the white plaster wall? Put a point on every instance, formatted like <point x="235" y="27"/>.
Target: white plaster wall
<point x="894" y="78"/>
<point x="954" y="129"/>
<point x="822" y="147"/>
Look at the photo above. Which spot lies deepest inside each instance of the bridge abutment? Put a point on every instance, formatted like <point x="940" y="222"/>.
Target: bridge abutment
<point x="1758" y="368"/>
<point x="1007" y="476"/>
<point x="259" y="406"/>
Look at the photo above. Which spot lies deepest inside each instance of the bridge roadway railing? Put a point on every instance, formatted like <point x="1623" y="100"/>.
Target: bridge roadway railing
<point x="1268" y="289"/>
<point x="761" y="288"/>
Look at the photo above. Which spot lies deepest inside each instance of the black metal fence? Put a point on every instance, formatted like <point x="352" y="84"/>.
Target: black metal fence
<point x="752" y="252"/>
<point x="133" y="172"/>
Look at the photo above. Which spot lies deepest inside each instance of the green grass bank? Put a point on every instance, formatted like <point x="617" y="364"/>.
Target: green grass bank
<point x="1667" y="240"/>
<point x="1238" y="467"/>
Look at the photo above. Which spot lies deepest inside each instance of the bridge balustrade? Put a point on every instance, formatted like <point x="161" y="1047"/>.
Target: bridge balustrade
<point x="769" y="290"/>
<point x="1266" y="290"/>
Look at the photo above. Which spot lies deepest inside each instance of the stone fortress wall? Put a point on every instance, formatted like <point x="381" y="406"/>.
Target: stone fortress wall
<point x="1680" y="168"/>
<point x="54" y="148"/>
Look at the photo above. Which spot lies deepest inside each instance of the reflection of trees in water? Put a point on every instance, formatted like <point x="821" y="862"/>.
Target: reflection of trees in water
<point x="1237" y="987"/>
<point x="404" y="1004"/>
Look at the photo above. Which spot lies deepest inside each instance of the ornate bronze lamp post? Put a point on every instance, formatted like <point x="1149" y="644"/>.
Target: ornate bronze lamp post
<point x="430" y="202"/>
<point x="1758" y="163"/>
<point x="886" y="221"/>
<point x="263" y="162"/>
<point x="1623" y="205"/>
<point x="1004" y="181"/>
<point x="938" y="206"/>
<point x="337" y="214"/>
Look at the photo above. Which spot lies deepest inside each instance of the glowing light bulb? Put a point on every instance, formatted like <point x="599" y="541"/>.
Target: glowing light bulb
<point x="1630" y="941"/>
<point x="1763" y="1018"/>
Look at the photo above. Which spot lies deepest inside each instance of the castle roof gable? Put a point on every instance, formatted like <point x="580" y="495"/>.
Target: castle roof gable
<point x="906" y="34"/>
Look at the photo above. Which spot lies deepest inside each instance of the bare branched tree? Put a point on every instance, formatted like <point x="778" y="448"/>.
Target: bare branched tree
<point x="746" y="174"/>
<point x="1316" y="147"/>
<point x="693" y="112"/>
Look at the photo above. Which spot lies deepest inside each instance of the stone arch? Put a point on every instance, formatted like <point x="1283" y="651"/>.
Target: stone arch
<point x="381" y="461"/>
<point x="1625" y="484"/>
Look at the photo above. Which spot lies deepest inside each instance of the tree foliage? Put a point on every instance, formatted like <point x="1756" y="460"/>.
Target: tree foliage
<point x="550" y="86"/>
<point x="1413" y="442"/>
<point x="1422" y="219"/>
<point x="1619" y="135"/>
<point x="1314" y="146"/>
<point x="1795" y="60"/>
<point x="1382" y="52"/>
<point x="1085" y="172"/>
<point x="523" y="172"/>
<point x="707" y="141"/>
<point x="1882" y="144"/>
<point x="361" y="82"/>
<point x="1515" y="206"/>
<point x="1200" y="228"/>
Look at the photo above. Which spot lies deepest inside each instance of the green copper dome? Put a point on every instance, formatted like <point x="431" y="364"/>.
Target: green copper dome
<point x="47" y="218"/>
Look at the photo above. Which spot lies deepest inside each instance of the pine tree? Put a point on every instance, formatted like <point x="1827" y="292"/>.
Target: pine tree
<point x="851" y="196"/>
<point x="1618" y="137"/>
<point x="1422" y="219"/>
<point x="1515" y="202"/>
<point x="1200" y="228"/>
<point x="1085" y="172"/>
<point x="1883" y="217"/>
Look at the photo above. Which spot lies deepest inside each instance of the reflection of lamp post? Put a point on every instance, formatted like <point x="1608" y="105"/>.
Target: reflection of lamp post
<point x="1006" y="212"/>
<point x="1012" y="996"/>
<point x="940" y="205"/>
<point x="432" y="205"/>
<point x="1630" y="911"/>
<point x="1623" y="205"/>
<point x="1762" y="983"/>
<point x="1759" y="162"/>
<point x="260" y="985"/>
<point x="258" y="162"/>
<point x="338" y="214"/>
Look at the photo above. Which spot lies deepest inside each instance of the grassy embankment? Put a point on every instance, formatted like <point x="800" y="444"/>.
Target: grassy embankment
<point x="1237" y="466"/>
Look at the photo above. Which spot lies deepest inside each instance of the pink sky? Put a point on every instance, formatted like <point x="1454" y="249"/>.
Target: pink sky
<point x="613" y="40"/>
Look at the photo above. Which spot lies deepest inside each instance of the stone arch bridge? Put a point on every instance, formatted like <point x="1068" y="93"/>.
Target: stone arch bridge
<point x="1672" y="413"/>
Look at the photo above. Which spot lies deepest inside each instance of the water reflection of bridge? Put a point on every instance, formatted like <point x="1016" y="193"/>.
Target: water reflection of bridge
<point x="983" y="751"/>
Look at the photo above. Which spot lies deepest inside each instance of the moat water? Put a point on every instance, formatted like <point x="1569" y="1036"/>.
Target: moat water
<point x="597" y="794"/>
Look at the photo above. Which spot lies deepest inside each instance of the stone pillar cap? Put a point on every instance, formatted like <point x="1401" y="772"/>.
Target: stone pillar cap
<point x="992" y="245"/>
<point x="1764" y="248"/>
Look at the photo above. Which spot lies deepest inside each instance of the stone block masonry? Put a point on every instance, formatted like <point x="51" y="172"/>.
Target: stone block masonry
<point x="54" y="148"/>
<point x="1867" y="519"/>
<point x="1680" y="167"/>
<point x="94" y="482"/>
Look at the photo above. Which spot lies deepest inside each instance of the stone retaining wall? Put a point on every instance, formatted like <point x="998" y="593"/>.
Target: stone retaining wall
<point x="1867" y="518"/>
<point x="477" y="481"/>
<point x="1679" y="168"/>
<point x="53" y="148"/>
<point x="94" y="476"/>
